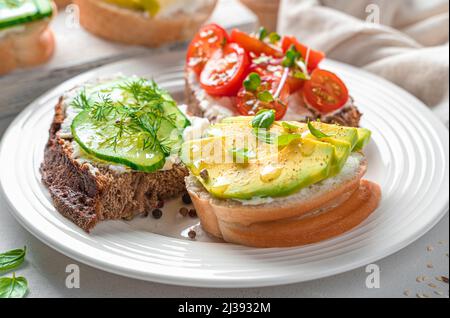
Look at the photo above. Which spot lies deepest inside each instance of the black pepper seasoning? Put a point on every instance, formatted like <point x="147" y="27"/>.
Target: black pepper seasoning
<point x="192" y="234"/>
<point x="192" y="213"/>
<point x="186" y="198"/>
<point x="157" y="213"/>
<point x="184" y="211"/>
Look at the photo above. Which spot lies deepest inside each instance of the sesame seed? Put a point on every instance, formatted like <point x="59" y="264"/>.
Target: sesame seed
<point x="407" y="293"/>
<point x="430" y="265"/>
<point x="430" y="248"/>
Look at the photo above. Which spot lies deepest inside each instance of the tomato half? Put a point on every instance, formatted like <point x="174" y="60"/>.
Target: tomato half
<point x="326" y="92"/>
<point x="273" y="67"/>
<point x="225" y="71"/>
<point x="210" y="38"/>
<point x="254" y="45"/>
<point x="248" y="103"/>
<point x="315" y="57"/>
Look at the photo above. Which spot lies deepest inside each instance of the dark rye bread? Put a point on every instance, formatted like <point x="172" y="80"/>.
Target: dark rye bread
<point x="87" y="196"/>
<point x="348" y="116"/>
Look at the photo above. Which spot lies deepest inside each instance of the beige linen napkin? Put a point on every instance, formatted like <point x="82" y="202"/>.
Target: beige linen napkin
<point x="404" y="41"/>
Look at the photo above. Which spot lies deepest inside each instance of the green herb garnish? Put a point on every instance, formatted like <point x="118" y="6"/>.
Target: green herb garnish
<point x="264" y="119"/>
<point x="13" y="3"/>
<point x="253" y="82"/>
<point x="12" y="259"/>
<point x="292" y="55"/>
<point x="262" y="33"/>
<point x="316" y="132"/>
<point x="13" y="287"/>
<point x="285" y="139"/>
<point x="289" y="127"/>
<point x="242" y="155"/>
<point x="266" y="97"/>
<point x="274" y="37"/>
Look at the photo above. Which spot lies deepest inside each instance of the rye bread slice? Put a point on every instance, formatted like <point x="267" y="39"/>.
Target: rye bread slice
<point x="215" y="109"/>
<point x="87" y="193"/>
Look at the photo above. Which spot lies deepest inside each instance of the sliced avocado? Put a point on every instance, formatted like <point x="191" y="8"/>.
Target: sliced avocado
<point x="298" y="165"/>
<point x="364" y="136"/>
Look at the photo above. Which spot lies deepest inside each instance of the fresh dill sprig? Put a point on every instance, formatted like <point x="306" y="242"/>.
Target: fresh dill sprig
<point x="103" y="107"/>
<point x="138" y="116"/>
<point x="81" y="101"/>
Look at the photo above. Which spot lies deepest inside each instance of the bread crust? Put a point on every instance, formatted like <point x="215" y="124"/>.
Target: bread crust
<point x="87" y="197"/>
<point x="292" y="222"/>
<point x="62" y="3"/>
<point x="133" y="27"/>
<point x="27" y="47"/>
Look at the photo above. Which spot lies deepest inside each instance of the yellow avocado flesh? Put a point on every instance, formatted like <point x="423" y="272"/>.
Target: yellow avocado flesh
<point x="270" y="170"/>
<point x="344" y="139"/>
<point x="300" y="164"/>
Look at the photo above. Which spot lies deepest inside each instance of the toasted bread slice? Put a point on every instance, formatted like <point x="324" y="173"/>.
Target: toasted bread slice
<point x="26" y="45"/>
<point x="62" y="3"/>
<point x="217" y="108"/>
<point x="88" y="192"/>
<point x="319" y="212"/>
<point x="134" y="27"/>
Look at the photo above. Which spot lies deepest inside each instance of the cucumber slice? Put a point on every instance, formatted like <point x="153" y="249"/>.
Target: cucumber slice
<point x="97" y="139"/>
<point x="16" y="12"/>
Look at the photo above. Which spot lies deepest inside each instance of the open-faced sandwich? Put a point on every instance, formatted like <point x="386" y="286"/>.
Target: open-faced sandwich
<point x="240" y="74"/>
<point x="25" y="37"/>
<point x="113" y="151"/>
<point x="62" y="3"/>
<point x="144" y="22"/>
<point x="259" y="182"/>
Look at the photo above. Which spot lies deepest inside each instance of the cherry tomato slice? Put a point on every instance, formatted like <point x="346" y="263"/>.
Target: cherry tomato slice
<point x="254" y="45"/>
<point x="273" y="67"/>
<point x="315" y="57"/>
<point x="225" y="71"/>
<point x="325" y="91"/>
<point x="210" y="38"/>
<point x="248" y="103"/>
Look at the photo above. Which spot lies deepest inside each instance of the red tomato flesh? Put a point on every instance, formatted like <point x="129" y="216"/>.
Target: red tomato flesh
<point x="248" y="103"/>
<point x="273" y="67"/>
<point x="225" y="71"/>
<point x="209" y="39"/>
<point x="254" y="45"/>
<point x="315" y="57"/>
<point x="326" y="92"/>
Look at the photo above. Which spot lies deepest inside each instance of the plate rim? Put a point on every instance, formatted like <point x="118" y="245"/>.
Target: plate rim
<point x="217" y="282"/>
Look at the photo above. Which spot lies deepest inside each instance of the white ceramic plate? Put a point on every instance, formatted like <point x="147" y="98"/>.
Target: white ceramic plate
<point x="408" y="157"/>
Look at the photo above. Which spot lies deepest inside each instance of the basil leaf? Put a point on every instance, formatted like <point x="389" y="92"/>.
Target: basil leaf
<point x="264" y="119"/>
<point x="274" y="37"/>
<point x="262" y="33"/>
<point x="242" y="155"/>
<point x="285" y="140"/>
<point x="12" y="259"/>
<point x="292" y="55"/>
<point x="301" y="75"/>
<point x="289" y="127"/>
<point x="316" y="132"/>
<point x="13" y="287"/>
<point x="253" y="82"/>
<point x="265" y="135"/>
<point x="266" y="97"/>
